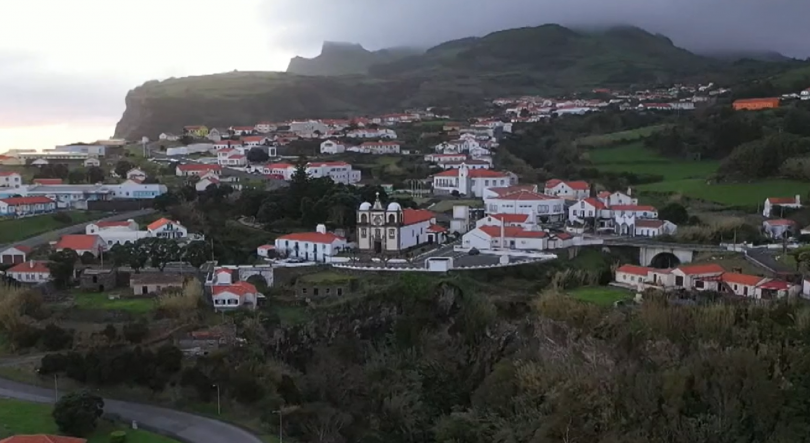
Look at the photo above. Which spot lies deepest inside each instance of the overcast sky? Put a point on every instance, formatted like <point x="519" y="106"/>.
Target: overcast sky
<point x="65" y="78"/>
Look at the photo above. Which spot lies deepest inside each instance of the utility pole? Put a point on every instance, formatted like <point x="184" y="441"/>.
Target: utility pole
<point x="219" y="402"/>
<point x="56" y="387"/>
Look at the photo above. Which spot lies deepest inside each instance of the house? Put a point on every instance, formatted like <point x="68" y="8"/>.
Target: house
<point x="254" y="141"/>
<point x="470" y="182"/>
<point x="14" y="254"/>
<point x="31" y="271"/>
<point x="134" y="189"/>
<point x="81" y="244"/>
<point x="515" y="220"/>
<point x="231" y="157"/>
<point x="469" y="164"/>
<point x="116" y="232"/>
<point x="167" y="136"/>
<point x="505" y="237"/>
<point x="227" y="144"/>
<point x="165" y="228"/>
<point x="216" y="135"/>
<point x="779" y="229"/>
<point x="742" y="284"/>
<point x="590" y="208"/>
<point x="196" y="131"/>
<point x="98" y="279"/>
<point x="318" y="246"/>
<point x="23" y="206"/>
<point x="653" y="228"/>
<point x="192" y="169"/>
<point x="154" y="282"/>
<point x="560" y="240"/>
<point x="92" y="162"/>
<point x="631" y="275"/>
<point x="339" y="172"/>
<point x="265" y="127"/>
<point x="10" y="179"/>
<point x="785" y="202"/>
<point x="617" y="198"/>
<point x="696" y="276"/>
<point x="205" y="182"/>
<point x="235" y="295"/>
<point x="42" y="438"/>
<point x="542" y="208"/>
<point x="242" y="130"/>
<point x="380" y="147"/>
<point x="393" y="229"/>
<point x="574" y="190"/>
<point x="265" y="251"/>
<point x="136" y="174"/>
<point x="755" y="104"/>
<point x="445" y="158"/>
<point x="332" y="147"/>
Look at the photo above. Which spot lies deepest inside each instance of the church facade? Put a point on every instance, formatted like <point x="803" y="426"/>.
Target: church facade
<point x="392" y="230"/>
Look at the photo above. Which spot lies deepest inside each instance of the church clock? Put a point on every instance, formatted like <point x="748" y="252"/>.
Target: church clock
<point x="377" y="220"/>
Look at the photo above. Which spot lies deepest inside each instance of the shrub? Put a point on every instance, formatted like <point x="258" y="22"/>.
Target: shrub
<point x="118" y="437"/>
<point x="77" y="413"/>
<point x="63" y="217"/>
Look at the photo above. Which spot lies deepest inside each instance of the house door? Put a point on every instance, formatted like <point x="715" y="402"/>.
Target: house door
<point x="430" y="239"/>
<point x="144" y="290"/>
<point x="512" y="244"/>
<point x="377" y="246"/>
<point x="679" y="281"/>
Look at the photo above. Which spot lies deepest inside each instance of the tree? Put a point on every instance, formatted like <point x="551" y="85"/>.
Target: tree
<point x="77" y="413"/>
<point x="76" y="176"/>
<point x="674" y="212"/>
<point x="62" y="264"/>
<point x="257" y="155"/>
<point x="122" y="167"/>
<point x="135" y="332"/>
<point x="55" y="338"/>
<point x="95" y="175"/>
<point x="165" y="201"/>
<point x="197" y="253"/>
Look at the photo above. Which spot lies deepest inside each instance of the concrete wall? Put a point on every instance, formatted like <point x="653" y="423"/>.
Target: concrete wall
<point x="647" y="254"/>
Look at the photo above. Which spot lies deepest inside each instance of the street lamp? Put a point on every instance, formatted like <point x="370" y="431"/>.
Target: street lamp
<point x="280" y="425"/>
<point x="55" y="384"/>
<point x="219" y="403"/>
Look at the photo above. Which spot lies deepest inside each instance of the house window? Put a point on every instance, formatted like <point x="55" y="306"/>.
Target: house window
<point x="699" y="284"/>
<point x="315" y="291"/>
<point x="304" y="291"/>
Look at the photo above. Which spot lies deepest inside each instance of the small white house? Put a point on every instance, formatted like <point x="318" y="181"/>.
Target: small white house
<point x="235" y="295"/>
<point x="33" y="272"/>
<point x="92" y="162"/>
<point x="9" y="179"/>
<point x="165" y="228"/>
<point x="318" y="246"/>
<point x="785" y="202"/>
<point x="332" y="147"/>
<point x="778" y="228"/>
<point x="136" y="174"/>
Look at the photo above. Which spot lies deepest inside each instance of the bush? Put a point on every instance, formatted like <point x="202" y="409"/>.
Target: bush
<point x="135" y="332"/>
<point x="55" y="338"/>
<point x="63" y="217"/>
<point x="77" y="413"/>
<point x="118" y="437"/>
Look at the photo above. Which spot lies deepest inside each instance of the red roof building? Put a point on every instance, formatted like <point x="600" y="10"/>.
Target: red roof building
<point x="414" y="216"/>
<point x="311" y="237"/>
<point x="30" y="267"/>
<point x="633" y="269"/>
<point x="81" y="244"/>
<point x="711" y="268"/>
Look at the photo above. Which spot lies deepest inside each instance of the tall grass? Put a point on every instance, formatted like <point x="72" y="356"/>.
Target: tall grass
<point x="184" y="302"/>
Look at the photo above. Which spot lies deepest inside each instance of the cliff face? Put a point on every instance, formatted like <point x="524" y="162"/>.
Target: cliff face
<point x="345" y="59"/>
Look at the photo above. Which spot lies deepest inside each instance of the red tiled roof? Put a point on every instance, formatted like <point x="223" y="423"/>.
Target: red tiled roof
<point x="778" y="285"/>
<point x="414" y="216"/>
<point x="199" y="167"/>
<point x="21" y="248"/>
<point x="239" y="288"/>
<point x="564" y="236"/>
<point x="512" y="232"/>
<point x="78" y="242"/>
<point x="34" y="266"/>
<point x="159" y="223"/>
<point x="633" y="269"/>
<point x="436" y="228"/>
<point x="576" y="185"/>
<point x="48" y="181"/>
<point x="42" y="438"/>
<point x="13" y="201"/>
<point x="224" y="270"/>
<point x="711" y="268"/>
<point x="757" y="100"/>
<point x="741" y="279"/>
<point x="266" y="247"/>
<point x="595" y="203"/>
<point x="7" y="173"/>
<point x="780" y="222"/>
<point x="511" y="218"/>
<point x="253" y="138"/>
<point x="604" y="194"/>
<point x="311" y="237"/>
<point x="280" y="166"/>
<point x="782" y="200"/>
<point x="634" y="208"/>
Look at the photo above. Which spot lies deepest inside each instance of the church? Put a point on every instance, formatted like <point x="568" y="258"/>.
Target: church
<point x="392" y="230"/>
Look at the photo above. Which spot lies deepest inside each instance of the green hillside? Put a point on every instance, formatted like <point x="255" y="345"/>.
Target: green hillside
<point x="345" y="59"/>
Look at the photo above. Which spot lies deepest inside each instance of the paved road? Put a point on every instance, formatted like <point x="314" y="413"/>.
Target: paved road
<point x="79" y="228"/>
<point x="180" y="425"/>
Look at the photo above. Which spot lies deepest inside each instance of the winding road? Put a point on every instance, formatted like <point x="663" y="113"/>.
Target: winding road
<point x="185" y="427"/>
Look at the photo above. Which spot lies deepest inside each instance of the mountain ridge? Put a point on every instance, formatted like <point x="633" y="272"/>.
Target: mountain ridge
<point x="343" y="58"/>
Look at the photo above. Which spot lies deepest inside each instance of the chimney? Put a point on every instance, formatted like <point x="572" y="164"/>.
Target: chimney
<point x="629" y="192"/>
<point x="798" y="199"/>
<point x="320" y="229"/>
<point x="31" y="264"/>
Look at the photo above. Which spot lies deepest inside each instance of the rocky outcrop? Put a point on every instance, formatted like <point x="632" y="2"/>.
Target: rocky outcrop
<point x="338" y="58"/>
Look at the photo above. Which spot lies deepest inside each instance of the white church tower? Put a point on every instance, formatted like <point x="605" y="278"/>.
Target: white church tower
<point x="378" y="229"/>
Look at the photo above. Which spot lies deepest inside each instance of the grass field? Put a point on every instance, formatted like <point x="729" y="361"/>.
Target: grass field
<point x="600" y="295"/>
<point x="100" y="301"/>
<point x="734" y="194"/>
<point x="19" y="417"/>
<point x="615" y="137"/>
<point x="447" y="205"/>
<point x="14" y="230"/>
<point x="635" y="158"/>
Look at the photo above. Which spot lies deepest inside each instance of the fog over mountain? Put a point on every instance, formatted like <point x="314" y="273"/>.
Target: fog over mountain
<point x="698" y="25"/>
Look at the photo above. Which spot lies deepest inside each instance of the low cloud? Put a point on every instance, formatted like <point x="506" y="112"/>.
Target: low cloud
<point x="699" y="25"/>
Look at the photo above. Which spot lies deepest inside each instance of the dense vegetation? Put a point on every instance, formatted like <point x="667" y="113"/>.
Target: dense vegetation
<point x="548" y="59"/>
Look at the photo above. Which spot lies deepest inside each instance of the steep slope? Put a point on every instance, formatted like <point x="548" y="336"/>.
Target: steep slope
<point x="546" y="59"/>
<point x="345" y="58"/>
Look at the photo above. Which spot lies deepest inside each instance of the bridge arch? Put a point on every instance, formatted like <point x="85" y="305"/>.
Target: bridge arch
<point x="665" y="260"/>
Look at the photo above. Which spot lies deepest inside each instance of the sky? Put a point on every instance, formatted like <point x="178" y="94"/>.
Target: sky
<point x="65" y="79"/>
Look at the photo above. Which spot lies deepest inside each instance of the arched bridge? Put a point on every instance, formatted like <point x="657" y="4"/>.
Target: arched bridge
<point x="661" y="254"/>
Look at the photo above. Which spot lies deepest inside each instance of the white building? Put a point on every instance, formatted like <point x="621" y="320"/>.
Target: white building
<point x="23" y="206"/>
<point x="9" y="179"/>
<point x="116" y="232"/>
<point x="471" y="164"/>
<point x="617" y="198"/>
<point x="509" y="220"/>
<point x="380" y="147"/>
<point x="394" y="230"/>
<point x="231" y="157"/>
<point x="332" y="147"/>
<point x="308" y="128"/>
<point x="168" y="137"/>
<point x="228" y="294"/>
<point x="471" y="182"/>
<point x="165" y="228"/>
<point x="319" y="246"/>
<point x="445" y="158"/>
<point x="653" y="228"/>
<point x="228" y="144"/>
<point x="136" y="174"/>
<point x="92" y="162"/>
<point x="504" y="237"/>
<point x="339" y="172"/>
<point x="33" y="272"/>
<point x="518" y="200"/>
<point x="772" y="202"/>
<point x="205" y="182"/>
<point x="254" y="141"/>
<point x="92" y="244"/>
<point x="199" y="169"/>
<point x="574" y="190"/>
<point x="382" y="133"/>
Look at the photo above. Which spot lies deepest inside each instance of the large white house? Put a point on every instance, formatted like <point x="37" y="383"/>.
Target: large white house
<point x="319" y="246"/>
<point x="392" y="229"/>
<point x="490" y="237"/>
<point x="116" y="232"/>
<point x="332" y="147"/>
<point x="10" y="179"/>
<point x="525" y="200"/>
<point x="339" y="172"/>
<point x="22" y="206"/>
<point x="231" y="157"/>
<point x="617" y="198"/>
<point x="574" y="190"/>
<point x="165" y="228"/>
<point x="380" y="147"/>
<point x="32" y="272"/>
<point x="228" y="294"/>
<point x="92" y="244"/>
<point x="471" y="182"/>
<point x="772" y="202"/>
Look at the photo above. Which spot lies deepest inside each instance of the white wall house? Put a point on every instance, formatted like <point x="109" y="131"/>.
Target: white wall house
<point x="115" y="233"/>
<point x="236" y="295"/>
<point x="393" y="229"/>
<point x="231" y="157"/>
<point x="542" y="208"/>
<point x="332" y="147"/>
<point x="504" y="237"/>
<point x="617" y="198"/>
<point x="32" y="272"/>
<point x="9" y="179"/>
<point x="318" y="246"/>
<point x="574" y="190"/>
<point x="471" y="182"/>
<point x="445" y="158"/>
<point x="654" y="228"/>
<point x="192" y="169"/>
<point x="136" y="174"/>
<point x="92" y="244"/>
<point x="165" y="228"/>
<point x="23" y="206"/>
<point x="254" y="141"/>
<point x="771" y="202"/>
<point x="380" y="147"/>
